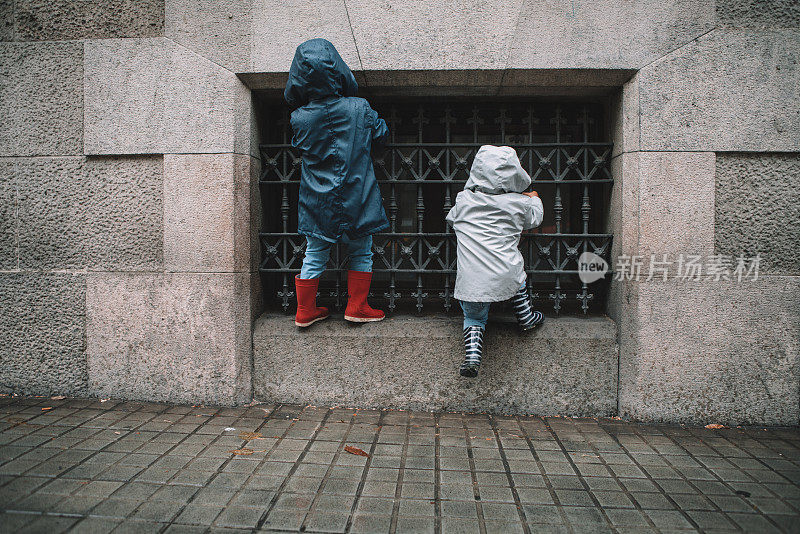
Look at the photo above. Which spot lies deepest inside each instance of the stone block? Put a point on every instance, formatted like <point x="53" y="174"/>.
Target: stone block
<point x="713" y="352"/>
<point x="54" y="20"/>
<point x="750" y="14"/>
<point x="53" y="213"/>
<point x="41" y="99"/>
<point x="125" y="195"/>
<point x="568" y="367"/>
<point x="278" y="27"/>
<point x="625" y="113"/>
<point x="180" y="337"/>
<point x="728" y="90"/>
<point x="605" y="34"/>
<point x="434" y="35"/>
<point x="208" y="223"/>
<point x="98" y="213"/>
<point x="217" y="30"/>
<point x="43" y="318"/>
<point x="8" y="215"/>
<point x="757" y="208"/>
<point x="676" y="203"/>
<point x="7" y="20"/>
<point x="147" y="96"/>
<point x="623" y="211"/>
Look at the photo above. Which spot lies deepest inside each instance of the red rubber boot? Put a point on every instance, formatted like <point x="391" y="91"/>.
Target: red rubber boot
<point x="307" y="311"/>
<point x="358" y="311"/>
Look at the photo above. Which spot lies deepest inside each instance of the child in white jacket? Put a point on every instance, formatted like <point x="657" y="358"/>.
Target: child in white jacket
<point x="488" y="217"/>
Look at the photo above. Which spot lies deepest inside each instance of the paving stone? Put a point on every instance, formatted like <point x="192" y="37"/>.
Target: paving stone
<point x="234" y="500"/>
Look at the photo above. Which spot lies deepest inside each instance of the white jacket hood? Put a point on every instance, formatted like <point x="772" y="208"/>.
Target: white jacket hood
<point x="495" y="170"/>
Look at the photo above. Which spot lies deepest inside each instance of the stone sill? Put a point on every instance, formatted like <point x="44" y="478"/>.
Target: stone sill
<point x="567" y="367"/>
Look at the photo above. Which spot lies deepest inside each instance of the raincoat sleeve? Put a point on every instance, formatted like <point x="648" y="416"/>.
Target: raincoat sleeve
<point x="380" y="132"/>
<point x="535" y="213"/>
<point x="451" y="215"/>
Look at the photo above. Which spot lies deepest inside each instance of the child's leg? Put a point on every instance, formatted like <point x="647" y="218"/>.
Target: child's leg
<point x="317" y="253"/>
<point x="475" y="313"/>
<point x="527" y="318"/>
<point x="475" y="316"/>
<point x="360" y="251"/>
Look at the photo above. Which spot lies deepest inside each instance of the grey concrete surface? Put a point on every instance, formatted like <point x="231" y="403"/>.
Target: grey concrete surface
<point x="676" y="203"/>
<point x="41" y="99"/>
<point x="215" y="29"/>
<point x="43" y="320"/>
<point x="434" y="35"/>
<point x="8" y="215"/>
<point x="7" y="20"/>
<point x="278" y="27"/>
<point x="96" y="213"/>
<point x="750" y="14"/>
<point x="757" y="208"/>
<point x="53" y="213"/>
<point x="155" y="96"/>
<point x="624" y="113"/>
<point x="208" y="226"/>
<point x="125" y="206"/>
<point x="709" y="351"/>
<point x="608" y="34"/>
<point x="726" y="90"/>
<point x="48" y="20"/>
<point x="181" y="337"/>
<point x="567" y="367"/>
<point x="89" y="465"/>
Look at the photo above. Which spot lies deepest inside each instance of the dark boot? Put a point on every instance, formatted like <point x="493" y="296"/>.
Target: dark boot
<point x="473" y="347"/>
<point x="526" y="317"/>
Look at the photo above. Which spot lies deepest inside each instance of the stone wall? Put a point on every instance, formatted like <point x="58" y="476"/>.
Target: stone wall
<point x="708" y="140"/>
<point x="128" y="165"/>
<point x="129" y="216"/>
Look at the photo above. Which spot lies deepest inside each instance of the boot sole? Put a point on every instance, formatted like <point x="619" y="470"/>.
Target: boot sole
<point x="363" y="319"/>
<point x="469" y="372"/>
<point x="532" y="327"/>
<point x="303" y="325"/>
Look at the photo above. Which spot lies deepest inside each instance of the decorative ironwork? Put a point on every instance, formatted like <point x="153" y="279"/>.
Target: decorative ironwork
<point x="424" y="165"/>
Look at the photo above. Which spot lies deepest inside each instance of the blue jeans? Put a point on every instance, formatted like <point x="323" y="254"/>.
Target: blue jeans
<point x="476" y="313"/>
<point x="318" y="251"/>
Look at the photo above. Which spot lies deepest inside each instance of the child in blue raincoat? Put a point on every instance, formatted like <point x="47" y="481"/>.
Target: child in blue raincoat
<point x="339" y="196"/>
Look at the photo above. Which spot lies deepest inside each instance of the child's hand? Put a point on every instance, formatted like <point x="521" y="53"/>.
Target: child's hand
<point x="530" y="194"/>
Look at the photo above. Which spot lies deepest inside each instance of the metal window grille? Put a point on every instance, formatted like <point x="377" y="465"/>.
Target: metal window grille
<point x="424" y="165"/>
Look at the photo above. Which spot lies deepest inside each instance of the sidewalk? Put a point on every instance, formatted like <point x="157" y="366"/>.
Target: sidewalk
<point x="93" y="466"/>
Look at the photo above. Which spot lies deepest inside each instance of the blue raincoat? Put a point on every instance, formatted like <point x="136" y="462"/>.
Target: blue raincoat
<point x="334" y="131"/>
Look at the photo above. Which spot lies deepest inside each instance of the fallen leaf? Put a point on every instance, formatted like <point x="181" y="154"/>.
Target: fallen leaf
<point x="103" y="400"/>
<point x="355" y="450"/>
<point x="229" y="428"/>
<point x="244" y="451"/>
<point x="58" y="397"/>
<point x="714" y="426"/>
<point x="47" y="408"/>
<point x="250" y="435"/>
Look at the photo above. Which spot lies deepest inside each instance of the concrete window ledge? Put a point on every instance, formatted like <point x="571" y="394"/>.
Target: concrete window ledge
<point x="566" y="367"/>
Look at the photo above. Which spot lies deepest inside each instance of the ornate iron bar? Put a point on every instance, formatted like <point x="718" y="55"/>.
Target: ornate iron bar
<point x="424" y="165"/>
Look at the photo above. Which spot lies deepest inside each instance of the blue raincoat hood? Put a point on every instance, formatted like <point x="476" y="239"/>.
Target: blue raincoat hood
<point x="318" y="71"/>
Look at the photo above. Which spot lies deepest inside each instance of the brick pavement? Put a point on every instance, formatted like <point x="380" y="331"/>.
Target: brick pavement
<point x="82" y="465"/>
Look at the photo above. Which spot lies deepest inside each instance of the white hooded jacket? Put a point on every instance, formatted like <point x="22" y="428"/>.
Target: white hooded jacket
<point x="488" y="217"/>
